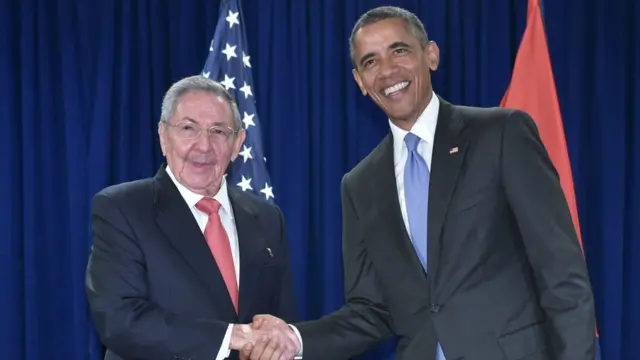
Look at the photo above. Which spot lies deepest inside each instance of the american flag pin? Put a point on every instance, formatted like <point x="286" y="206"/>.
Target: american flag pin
<point x="453" y="150"/>
<point x="269" y="251"/>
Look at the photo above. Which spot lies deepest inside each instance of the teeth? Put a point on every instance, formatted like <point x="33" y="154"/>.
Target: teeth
<point x="396" y="87"/>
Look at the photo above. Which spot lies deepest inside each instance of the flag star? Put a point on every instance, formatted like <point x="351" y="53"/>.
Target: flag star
<point x="245" y="184"/>
<point x="246" y="89"/>
<point x="246" y="153"/>
<point x="245" y="59"/>
<point x="230" y="51"/>
<point x="265" y="159"/>
<point x="228" y="82"/>
<point x="248" y="120"/>
<point x="211" y="46"/>
<point x="232" y="18"/>
<point x="267" y="191"/>
<point x="206" y="73"/>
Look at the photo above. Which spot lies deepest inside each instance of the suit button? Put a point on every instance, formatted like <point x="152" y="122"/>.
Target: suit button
<point x="435" y="308"/>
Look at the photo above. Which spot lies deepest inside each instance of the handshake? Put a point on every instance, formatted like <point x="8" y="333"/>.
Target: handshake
<point x="266" y="338"/>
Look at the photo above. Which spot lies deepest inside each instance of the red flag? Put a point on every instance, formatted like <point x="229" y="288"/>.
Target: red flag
<point x="533" y="90"/>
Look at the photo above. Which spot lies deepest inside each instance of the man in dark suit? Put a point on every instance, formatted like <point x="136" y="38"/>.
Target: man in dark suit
<point x="181" y="260"/>
<point x="457" y="237"/>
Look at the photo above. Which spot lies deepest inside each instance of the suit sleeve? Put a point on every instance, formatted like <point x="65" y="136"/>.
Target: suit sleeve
<point x="535" y="196"/>
<point x="127" y="321"/>
<point x="287" y="310"/>
<point x="364" y="320"/>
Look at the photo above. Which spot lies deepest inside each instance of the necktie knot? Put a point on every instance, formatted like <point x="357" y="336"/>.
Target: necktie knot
<point x="208" y="205"/>
<point x="412" y="141"/>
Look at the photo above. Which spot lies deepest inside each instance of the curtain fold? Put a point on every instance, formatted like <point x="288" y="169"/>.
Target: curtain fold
<point x="82" y="83"/>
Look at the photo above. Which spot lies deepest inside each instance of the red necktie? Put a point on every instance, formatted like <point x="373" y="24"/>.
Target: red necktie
<point x="220" y="247"/>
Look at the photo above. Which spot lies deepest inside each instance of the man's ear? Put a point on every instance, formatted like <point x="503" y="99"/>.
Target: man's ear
<point x="240" y="137"/>
<point x="433" y="55"/>
<point x="161" y="137"/>
<point x="356" y="76"/>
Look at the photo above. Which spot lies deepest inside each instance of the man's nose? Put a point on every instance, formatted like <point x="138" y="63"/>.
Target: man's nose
<point x="387" y="67"/>
<point x="203" y="141"/>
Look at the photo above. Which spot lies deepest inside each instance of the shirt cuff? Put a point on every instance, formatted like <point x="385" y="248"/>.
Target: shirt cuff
<point x="295" y="330"/>
<point x="224" y="351"/>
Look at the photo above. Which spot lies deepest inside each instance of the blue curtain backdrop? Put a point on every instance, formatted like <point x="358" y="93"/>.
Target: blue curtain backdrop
<point x="81" y="84"/>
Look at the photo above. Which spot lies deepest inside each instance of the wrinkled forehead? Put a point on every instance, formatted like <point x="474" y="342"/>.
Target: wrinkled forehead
<point x="203" y="108"/>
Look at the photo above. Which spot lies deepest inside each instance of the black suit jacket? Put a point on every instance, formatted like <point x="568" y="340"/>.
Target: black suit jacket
<point x="506" y="276"/>
<point x="153" y="286"/>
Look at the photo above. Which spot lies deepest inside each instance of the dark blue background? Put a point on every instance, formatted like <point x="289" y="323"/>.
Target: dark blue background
<point x="81" y="84"/>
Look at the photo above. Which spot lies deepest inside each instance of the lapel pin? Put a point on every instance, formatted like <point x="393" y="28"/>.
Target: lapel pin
<point x="453" y="150"/>
<point x="269" y="251"/>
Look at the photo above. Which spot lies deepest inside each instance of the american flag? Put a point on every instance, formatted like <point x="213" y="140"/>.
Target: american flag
<point x="229" y="63"/>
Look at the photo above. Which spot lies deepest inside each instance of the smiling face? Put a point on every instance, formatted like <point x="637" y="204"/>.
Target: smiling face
<point x="200" y="163"/>
<point x="393" y="69"/>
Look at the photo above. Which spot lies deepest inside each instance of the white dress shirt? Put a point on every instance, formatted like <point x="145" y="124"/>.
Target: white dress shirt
<point x="425" y="129"/>
<point x="226" y="216"/>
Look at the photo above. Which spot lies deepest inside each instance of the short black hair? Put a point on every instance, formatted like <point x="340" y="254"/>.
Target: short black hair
<point x="414" y="25"/>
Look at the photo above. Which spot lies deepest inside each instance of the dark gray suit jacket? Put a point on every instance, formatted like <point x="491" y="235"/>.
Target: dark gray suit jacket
<point x="154" y="289"/>
<point x="506" y="276"/>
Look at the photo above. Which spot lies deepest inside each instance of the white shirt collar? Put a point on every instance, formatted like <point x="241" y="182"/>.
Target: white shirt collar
<point x="424" y="128"/>
<point x="192" y="198"/>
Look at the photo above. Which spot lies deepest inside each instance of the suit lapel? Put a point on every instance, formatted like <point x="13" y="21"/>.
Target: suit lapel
<point x="448" y="153"/>
<point x="389" y="208"/>
<point x="251" y="245"/>
<point x="175" y="219"/>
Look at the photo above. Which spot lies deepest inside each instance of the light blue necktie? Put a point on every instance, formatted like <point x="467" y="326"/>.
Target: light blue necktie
<point x="416" y="194"/>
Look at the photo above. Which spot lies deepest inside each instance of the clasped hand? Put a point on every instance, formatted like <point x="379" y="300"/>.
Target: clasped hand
<point x="267" y="338"/>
